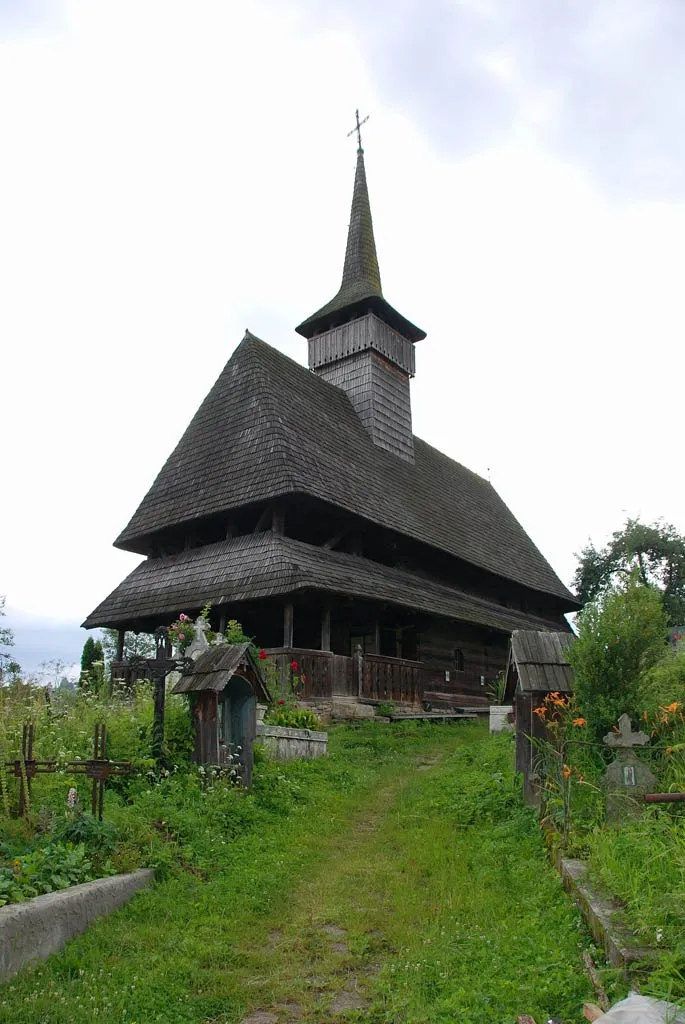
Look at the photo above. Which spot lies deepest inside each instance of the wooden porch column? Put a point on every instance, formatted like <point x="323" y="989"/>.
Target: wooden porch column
<point x="288" y="621"/>
<point x="222" y="622"/>
<point x="377" y="637"/>
<point x="326" y="628"/>
<point x="120" y="644"/>
<point x="278" y="520"/>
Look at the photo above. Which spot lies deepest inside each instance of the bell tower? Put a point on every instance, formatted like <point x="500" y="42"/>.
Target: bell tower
<point x="359" y="342"/>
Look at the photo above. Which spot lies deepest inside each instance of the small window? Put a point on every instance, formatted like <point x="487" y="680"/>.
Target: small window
<point x="459" y="659"/>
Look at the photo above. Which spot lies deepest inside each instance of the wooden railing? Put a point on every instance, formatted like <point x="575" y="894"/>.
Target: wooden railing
<point x="321" y="674"/>
<point x="391" y="679"/>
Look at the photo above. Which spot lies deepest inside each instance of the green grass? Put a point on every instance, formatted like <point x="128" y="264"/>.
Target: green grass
<point x="431" y="875"/>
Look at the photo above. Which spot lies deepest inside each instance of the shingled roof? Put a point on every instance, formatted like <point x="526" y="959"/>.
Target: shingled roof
<point x="264" y="565"/>
<point x="541" y="660"/>
<point x="270" y="428"/>
<point x="360" y="290"/>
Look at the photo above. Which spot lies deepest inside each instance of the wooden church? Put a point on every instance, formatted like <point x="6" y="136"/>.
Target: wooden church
<point x="299" y="502"/>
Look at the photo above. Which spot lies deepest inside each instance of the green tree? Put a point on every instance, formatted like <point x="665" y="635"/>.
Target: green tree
<point x="655" y="551"/>
<point x="9" y="668"/>
<point x="92" y="652"/>
<point x="136" y="645"/>
<point x="621" y="636"/>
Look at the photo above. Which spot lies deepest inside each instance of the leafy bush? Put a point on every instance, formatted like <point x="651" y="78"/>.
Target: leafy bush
<point x="292" y="717"/>
<point x="50" y="867"/>
<point x="621" y="635"/>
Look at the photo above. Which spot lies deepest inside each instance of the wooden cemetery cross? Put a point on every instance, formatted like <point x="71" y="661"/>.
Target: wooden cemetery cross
<point x="159" y="669"/>
<point x="26" y="766"/>
<point x="99" y="769"/>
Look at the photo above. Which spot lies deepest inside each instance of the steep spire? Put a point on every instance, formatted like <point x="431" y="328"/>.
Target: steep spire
<point x="360" y="291"/>
<point x="361" y="276"/>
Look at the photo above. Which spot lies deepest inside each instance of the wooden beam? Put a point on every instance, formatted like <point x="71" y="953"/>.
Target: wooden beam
<point x="229" y="529"/>
<point x="333" y="541"/>
<point x="121" y="635"/>
<point x="377" y="637"/>
<point x="326" y="628"/>
<point x="288" y="624"/>
<point x="222" y="622"/>
<point x="263" y="519"/>
<point x="600" y="991"/>
<point x="592" y="1012"/>
<point x="278" y="520"/>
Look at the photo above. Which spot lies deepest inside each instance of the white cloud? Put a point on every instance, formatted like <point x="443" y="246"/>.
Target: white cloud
<point x="179" y="172"/>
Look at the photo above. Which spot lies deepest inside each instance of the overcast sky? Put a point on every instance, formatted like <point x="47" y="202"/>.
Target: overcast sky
<point x="173" y="172"/>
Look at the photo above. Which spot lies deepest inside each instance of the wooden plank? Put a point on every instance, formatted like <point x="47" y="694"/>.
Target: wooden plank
<point x="600" y="991"/>
<point x="592" y="1012"/>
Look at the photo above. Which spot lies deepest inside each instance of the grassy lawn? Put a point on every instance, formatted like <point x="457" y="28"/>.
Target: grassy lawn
<point x="398" y="880"/>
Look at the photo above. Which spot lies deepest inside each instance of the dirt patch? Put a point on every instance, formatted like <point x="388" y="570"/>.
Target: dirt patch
<point x="334" y="931"/>
<point x="260" y="1017"/>
<point x="291" y="1011"/>
<point x="345" y="1001"/>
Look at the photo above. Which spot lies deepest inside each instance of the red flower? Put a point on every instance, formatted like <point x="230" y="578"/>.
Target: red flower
<point x="294" y="666"/>
<point x="281" y="702"/>
<point x="262" y="655"/>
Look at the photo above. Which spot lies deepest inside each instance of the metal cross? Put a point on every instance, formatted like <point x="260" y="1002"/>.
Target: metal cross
<point x="358" y="128"/>
<point x="99" y="769"/>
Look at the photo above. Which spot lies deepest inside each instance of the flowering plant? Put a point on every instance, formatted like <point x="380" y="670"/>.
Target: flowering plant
<point x="181" y="632"/>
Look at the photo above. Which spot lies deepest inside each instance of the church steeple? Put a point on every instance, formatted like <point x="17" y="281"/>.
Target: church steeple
<point x="360" y="290"/>
<point x="359" y="342"/>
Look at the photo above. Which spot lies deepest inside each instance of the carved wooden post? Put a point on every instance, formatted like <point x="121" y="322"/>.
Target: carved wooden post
<point x="120" y="645"/>
<point x="326" y="628"/>
<point x="159" y="692"/>
<point x="288" y="622"/>
<point x="222" y="622"/>
<point x="359" y="658"/>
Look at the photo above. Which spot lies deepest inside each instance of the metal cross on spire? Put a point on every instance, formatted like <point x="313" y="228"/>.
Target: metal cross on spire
<point x="358" y="127"/>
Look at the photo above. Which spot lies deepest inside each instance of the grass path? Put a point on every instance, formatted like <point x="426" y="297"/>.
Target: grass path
<point x="408" y="887"/>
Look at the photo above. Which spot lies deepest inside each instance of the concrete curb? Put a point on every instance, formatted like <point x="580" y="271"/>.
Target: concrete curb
<point x="34" y="930"/>
<point x="602" y="917"/>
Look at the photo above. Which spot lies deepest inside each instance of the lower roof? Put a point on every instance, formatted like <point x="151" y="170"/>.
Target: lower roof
<point x="265" y="565"/>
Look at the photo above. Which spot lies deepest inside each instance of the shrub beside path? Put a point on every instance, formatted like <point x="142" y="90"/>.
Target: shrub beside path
<point x="403" y="883"/>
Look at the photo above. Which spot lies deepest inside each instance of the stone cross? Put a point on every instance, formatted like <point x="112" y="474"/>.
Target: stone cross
<point x="625" y="738"/>
<point x="628" y="778"/>
<point x="199" y="643"/>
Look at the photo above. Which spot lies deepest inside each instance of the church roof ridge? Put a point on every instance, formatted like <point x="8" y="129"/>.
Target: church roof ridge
<point x="269" y="427"/>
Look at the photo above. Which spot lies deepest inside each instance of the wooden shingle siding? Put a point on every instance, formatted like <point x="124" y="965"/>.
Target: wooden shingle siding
<point x="358" y="335"/>
<point x="379" y="394"/>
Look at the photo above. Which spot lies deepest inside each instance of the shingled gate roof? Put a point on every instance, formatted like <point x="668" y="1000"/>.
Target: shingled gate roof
<point x="269" y="428"/>
<point x="263" y="565"/>
<point x="541" y="661"/>
<point x="214" y="669"/>
<point x="360" y="290"/>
